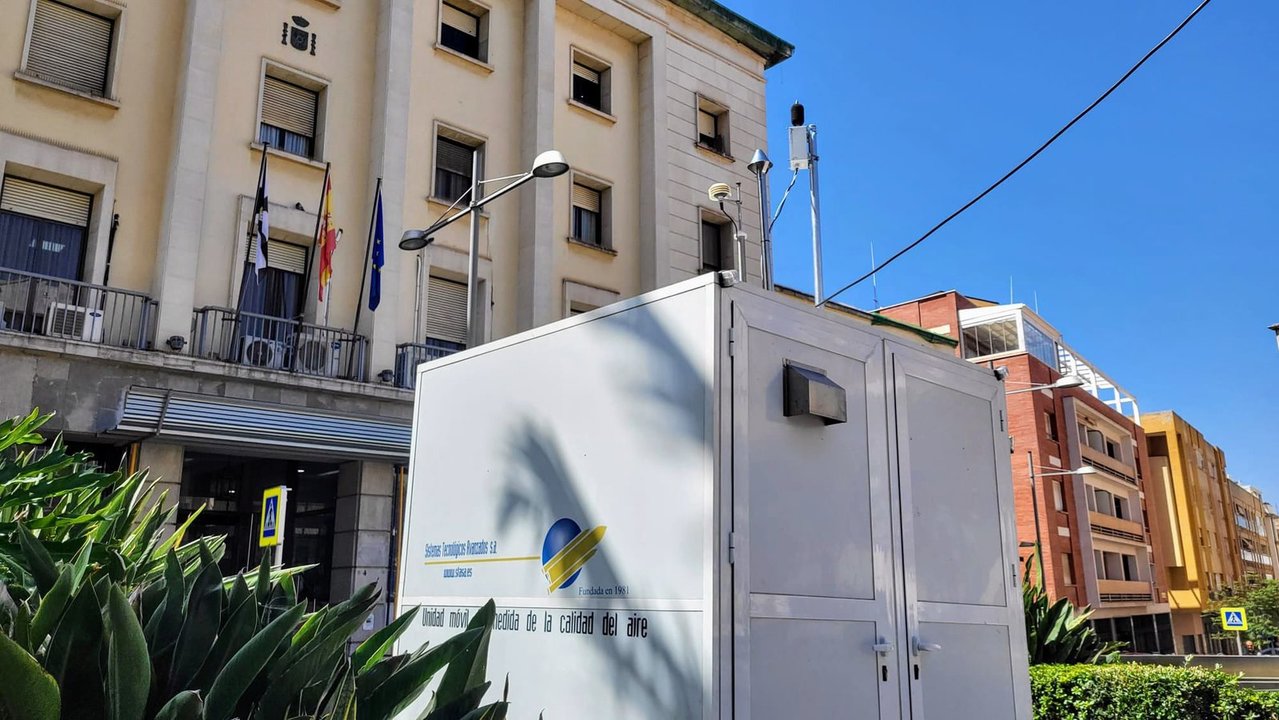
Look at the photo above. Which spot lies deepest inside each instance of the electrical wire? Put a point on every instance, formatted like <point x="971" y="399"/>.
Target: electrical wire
<point x="1028" y="159"/>
<point x="782" y="204"/>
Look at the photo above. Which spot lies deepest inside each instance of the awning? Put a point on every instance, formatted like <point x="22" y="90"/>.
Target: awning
<point x="231" y="423"/>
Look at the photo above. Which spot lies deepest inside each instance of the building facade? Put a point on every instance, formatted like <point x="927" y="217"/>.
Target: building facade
<point x="131" y="138"/>
<point x="1098" y="549"/>
<point x="1254" y="532"/>
<point x="1192" y="512"/>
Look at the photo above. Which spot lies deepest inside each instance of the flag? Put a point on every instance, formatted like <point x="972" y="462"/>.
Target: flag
<point x="260" y="226"/>
<point x="327" y="241"/>
<point x="378" y="256"/>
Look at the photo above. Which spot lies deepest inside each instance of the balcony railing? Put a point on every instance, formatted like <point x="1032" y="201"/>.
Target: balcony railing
<point x="272" y="343"/>
<point x="73" y="310"/>
<point x="409" y="355"/>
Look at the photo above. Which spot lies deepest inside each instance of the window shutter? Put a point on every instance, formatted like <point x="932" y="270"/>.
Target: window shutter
<point x="585" y="73"/>
<point x="71" y="47"/>
<point x="45" y="201"/>
<point x="446" y="310"/>
<point x="586" y="198"/>
<point x="281" y="256"/>
<point x="288" y="106"/>
<point x="706" y="122"/>
<point x="453" y="156"/>
<point x="461" y="20"/>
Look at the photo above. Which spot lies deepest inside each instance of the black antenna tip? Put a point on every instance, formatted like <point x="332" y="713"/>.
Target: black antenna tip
<point x="797" y="114"/>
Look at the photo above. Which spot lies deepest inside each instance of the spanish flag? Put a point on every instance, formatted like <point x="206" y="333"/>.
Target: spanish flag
<point x="327" y="239"/>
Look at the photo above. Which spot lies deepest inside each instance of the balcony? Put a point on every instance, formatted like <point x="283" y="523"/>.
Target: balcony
<point x="1124" y="591"/>
<point x="272" y="343"/>
<point x="1116" y="467"/>
<point x="72" y="310"/>
<point x="409" y="355"/>
<point x="1115" y="528"/>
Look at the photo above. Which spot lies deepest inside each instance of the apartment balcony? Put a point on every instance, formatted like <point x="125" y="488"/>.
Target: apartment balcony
<point x="409" y="355"/>
<point x="1116" y="467"/>
<point x="271" y="343"/>
<point x="1113" y="527"/>
<point x="1123" y="591"/>
<point x="53" y="307"/>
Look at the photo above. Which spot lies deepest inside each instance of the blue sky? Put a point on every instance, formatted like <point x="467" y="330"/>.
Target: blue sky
<point x="1148" y="232"/>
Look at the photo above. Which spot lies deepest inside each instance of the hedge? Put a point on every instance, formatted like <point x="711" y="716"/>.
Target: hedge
<point x="1131" y="691"/>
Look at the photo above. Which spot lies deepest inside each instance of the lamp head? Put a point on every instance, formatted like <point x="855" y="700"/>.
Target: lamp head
<point x="415" y="240"/>
<point x="549" y="164"/>
<point x="1085" y="470"/>
<point x="1069" y="381"/>
<point x="719" y="192"/>
<point x="759" y="164"/>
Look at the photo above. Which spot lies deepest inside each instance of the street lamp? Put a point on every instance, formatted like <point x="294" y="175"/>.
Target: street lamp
<point x="1034" y="500"/>
<point x="1065" y="381"/>
<point x="548" y="164"/>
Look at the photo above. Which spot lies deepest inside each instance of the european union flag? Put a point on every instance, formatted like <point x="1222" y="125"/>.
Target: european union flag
<point x="378" y="256"/>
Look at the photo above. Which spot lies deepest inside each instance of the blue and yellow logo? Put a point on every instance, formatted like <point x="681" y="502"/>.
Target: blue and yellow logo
<point x="566" y="549"/>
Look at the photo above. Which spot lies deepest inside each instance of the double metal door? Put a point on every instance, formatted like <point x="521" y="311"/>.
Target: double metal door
<point x="871" y="574"/>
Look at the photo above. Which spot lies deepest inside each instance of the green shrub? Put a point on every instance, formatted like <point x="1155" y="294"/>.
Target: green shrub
<point x="1130" y="691"/>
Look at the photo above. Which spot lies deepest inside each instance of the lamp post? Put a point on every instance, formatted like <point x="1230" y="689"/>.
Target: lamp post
<point x="1034" y="500"/>
<point x="548" y="164"/>
<point x="1065" y="381"/>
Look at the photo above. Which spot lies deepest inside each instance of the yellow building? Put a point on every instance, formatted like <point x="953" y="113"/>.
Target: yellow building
<point x="1191" y="518"/>
<point x="131" y="136"/>
<point x="1253" y="528"/>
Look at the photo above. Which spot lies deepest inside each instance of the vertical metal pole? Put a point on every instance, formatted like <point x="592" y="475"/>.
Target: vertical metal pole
<point x="765" y="234"/>
<point x="417" y="301"/>
<point x="815" y="207"/>
<point x="473" y="258"/>
<point x="1239" y="641"/>
<point x="1034" y="507"/>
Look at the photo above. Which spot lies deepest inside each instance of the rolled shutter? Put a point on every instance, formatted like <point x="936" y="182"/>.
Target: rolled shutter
<point x="288" y="106"/>
<point x="71" y="47"/>
<point x="586" y="73"/>
<point x="586" y="198"/>
<point x="282" y="256"/>
<point x="453" y="156"/>
<point x="461" y="20"/>
<point x="446" y="310"/>
<point x="706" y="122"/>
<point x="45" y="201"/>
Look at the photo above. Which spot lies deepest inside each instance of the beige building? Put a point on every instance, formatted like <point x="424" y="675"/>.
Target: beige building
<point x="1192" y="518"/>
<point x="130" y="142"/>
<point x="1255" y="532"/>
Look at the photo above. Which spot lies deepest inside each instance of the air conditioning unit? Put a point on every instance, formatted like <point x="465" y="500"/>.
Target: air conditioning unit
<point x="262" y="352"/>
<point x="73" y="321"/>
<point x="406" y="362"/>
<point x="318" y="356"/>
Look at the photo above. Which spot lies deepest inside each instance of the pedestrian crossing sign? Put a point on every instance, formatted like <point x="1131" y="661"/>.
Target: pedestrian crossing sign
<point x="271" y="530"/>
<point x="1234" y="618"/>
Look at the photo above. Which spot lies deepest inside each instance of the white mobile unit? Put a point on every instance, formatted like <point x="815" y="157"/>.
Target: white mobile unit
<point x="710" y="503"/>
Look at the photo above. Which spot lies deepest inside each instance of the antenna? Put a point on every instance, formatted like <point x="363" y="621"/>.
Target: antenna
<point x="803" y="156"/>
<point x="874" y="280"/>
<point x="1036" y="302"/>
<point x="1010" y="289"/>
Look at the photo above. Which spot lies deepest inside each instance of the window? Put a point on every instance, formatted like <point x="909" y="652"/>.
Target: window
<point x="1050" y="425"/>
<point x="1112" y="449"/>
<point x="1121" y="508"/>
<point x="712" y="126"/>
<point x="991" y="338"/>
<point x="1068" y="568"/>
<point x="289" y="116"/>
<point x="43" y="229"/>
<point x="1039" y="344"/>
<point x="453" y="166"/>
<point x="1100" y="561"/>
<point x="1105" y="502"/>
<point x="446" y="313"/>
<point x="1059" y="497"/>
<point x="589" y="207"/>
<point x="717" y="246"/>
<point x="272" y="301"/>
<point x="591" y="82"/>
<point x="1130" y="567"/>
<point x="71" y="47"/>
<point x="464" y="29"/>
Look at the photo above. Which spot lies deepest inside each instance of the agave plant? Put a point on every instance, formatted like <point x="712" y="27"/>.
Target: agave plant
<point x="1056" y="632"/>
<point x="104" y="616"/>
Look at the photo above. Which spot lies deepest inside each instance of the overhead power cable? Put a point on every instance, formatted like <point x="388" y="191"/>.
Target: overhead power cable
<point x="1025" y="162"/>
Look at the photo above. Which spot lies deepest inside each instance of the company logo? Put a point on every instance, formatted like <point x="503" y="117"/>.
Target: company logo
<point x="566" y="549"/>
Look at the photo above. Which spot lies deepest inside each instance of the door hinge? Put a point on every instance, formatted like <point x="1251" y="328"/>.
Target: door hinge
<point x="732" y="341"/>
<point x="1001" y="420"/>
<point x="732" y="548"/>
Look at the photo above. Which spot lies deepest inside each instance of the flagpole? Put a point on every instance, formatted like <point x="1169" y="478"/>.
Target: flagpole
<point x="368" y="268"/>
<point x="310" y="263"/>
<point x="252" y="229"/>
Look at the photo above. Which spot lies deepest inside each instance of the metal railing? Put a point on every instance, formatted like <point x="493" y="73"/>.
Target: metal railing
<point x="72" y="310"/>
<point x="409" y="355"/>
<point x="273" y="343"/>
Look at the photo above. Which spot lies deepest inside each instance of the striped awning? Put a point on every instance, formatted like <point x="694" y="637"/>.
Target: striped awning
<point x="231" y="423"/>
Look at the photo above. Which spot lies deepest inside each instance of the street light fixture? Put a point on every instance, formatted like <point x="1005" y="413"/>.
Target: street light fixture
<point x="1065" y="381"/>
<point x="1034" y="499"/>
<point x="547" y="164"/>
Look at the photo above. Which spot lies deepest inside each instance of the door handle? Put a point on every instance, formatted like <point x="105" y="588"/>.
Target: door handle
<point x="882" y="648"/>
<point x="923" y="647"/>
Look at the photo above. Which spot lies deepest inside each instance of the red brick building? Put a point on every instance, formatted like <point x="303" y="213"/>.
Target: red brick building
<point x="1093" y="525"/>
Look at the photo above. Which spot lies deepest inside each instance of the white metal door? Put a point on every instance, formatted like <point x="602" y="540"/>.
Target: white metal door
<point x="964" y="639"/>
<point x="813" y="617"/>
